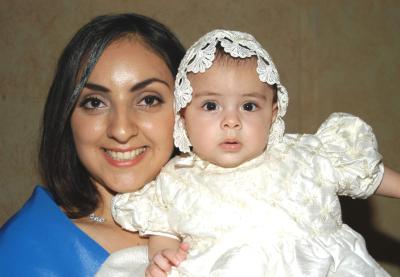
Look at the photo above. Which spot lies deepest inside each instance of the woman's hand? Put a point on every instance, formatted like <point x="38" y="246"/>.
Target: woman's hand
<point x="164" y="260"/>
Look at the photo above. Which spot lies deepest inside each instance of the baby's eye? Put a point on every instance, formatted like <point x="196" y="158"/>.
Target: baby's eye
<point x="92" y="103"/>
<point x="150" y="101"/>
<point x="210" y="106"/>
<point x="250" y="107"/>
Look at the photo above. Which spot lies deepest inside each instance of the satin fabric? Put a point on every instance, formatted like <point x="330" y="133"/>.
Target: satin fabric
<point x="40" y="240"/>
<point x="130" y="262"/>
<point x="276" y="215"/>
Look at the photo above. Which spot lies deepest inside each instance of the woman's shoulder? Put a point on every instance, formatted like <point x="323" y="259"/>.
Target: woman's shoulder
<point x="42" y="239"/>
<point x="30" y="213"/>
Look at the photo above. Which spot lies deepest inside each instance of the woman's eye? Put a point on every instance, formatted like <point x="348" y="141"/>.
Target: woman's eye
<point x="92" y="103"/>
<point x="150" y="100"/>
<point x="250" y="107"/>
<point x="209" y="106"/>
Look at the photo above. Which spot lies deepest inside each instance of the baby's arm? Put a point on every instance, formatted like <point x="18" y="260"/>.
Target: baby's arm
<point x="163" y="254"/>
<point x="390" y="185"/>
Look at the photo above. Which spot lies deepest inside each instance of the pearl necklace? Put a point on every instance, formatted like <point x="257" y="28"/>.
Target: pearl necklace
<point x="96" y="218"/>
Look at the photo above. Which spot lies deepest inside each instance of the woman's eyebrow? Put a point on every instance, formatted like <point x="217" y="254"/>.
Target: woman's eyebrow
<point x="147" y="82"/>
<point x="138" y="86"/>
<point x="96" y="87"/>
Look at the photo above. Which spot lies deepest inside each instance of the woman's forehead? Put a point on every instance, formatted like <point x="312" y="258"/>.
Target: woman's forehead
<point x="131" y="58"/>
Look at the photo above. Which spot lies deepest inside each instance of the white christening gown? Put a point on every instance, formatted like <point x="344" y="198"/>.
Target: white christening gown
<point x="276" y="215"/>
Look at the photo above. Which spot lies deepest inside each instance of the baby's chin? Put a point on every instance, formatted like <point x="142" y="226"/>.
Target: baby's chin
<point x="229" y="163"/>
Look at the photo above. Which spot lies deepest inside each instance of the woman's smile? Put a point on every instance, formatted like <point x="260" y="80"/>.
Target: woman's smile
<point x="124" y="158"/>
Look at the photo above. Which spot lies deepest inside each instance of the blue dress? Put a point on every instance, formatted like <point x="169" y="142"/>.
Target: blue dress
<point x="40" y="240"/>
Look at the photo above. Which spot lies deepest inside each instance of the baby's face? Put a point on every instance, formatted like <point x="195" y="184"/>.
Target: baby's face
<point x="231" y="112"/>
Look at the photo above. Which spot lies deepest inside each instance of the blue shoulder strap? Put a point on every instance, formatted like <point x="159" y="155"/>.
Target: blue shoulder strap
<point x="41" y="241"/>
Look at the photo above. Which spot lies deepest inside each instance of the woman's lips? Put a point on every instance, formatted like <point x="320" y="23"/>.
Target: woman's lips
<point x="124" y="158"/>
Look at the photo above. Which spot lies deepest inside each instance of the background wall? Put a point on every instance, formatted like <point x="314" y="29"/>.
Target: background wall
<point x="332" y="56"/>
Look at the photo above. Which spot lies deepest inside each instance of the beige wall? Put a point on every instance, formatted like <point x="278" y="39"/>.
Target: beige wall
<point x="332" y="56"/>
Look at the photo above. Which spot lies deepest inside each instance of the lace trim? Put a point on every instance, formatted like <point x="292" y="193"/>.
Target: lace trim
<point x="200" y="57"/>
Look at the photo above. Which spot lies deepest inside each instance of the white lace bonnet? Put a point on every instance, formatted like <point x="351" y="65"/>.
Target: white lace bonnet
<point x="199" y="58"/>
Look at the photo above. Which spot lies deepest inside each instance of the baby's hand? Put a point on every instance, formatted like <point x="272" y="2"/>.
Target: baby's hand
<point x="164" y="260"/>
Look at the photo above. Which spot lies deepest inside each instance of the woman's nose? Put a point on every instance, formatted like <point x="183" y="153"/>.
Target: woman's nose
<point x="231" y="120"/>
<point x="122" y="126"/>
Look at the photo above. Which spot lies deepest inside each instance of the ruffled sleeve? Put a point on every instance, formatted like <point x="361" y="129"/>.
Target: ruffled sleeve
<point x="143" y="211"/>
<point x="350" y="145"/>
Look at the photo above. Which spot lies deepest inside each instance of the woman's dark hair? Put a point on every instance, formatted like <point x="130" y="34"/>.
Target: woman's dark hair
<point x="62" y="172"/>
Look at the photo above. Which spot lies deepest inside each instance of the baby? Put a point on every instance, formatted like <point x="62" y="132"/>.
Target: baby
<point x="247" y="199"/>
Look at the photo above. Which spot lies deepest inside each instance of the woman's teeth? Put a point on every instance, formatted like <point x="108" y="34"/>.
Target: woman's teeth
<point x="125" y="156"/>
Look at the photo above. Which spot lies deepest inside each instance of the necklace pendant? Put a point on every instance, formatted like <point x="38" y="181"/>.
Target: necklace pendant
<point x="96" y="218"/>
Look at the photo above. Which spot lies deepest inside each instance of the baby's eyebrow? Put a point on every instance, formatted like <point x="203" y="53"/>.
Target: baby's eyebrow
<point x="255" y="95"/>
<point x="198" y="94"/>
<point x="207" y="93"/>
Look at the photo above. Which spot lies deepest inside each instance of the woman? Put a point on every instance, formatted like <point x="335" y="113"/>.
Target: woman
<point x="107" y="129"/>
